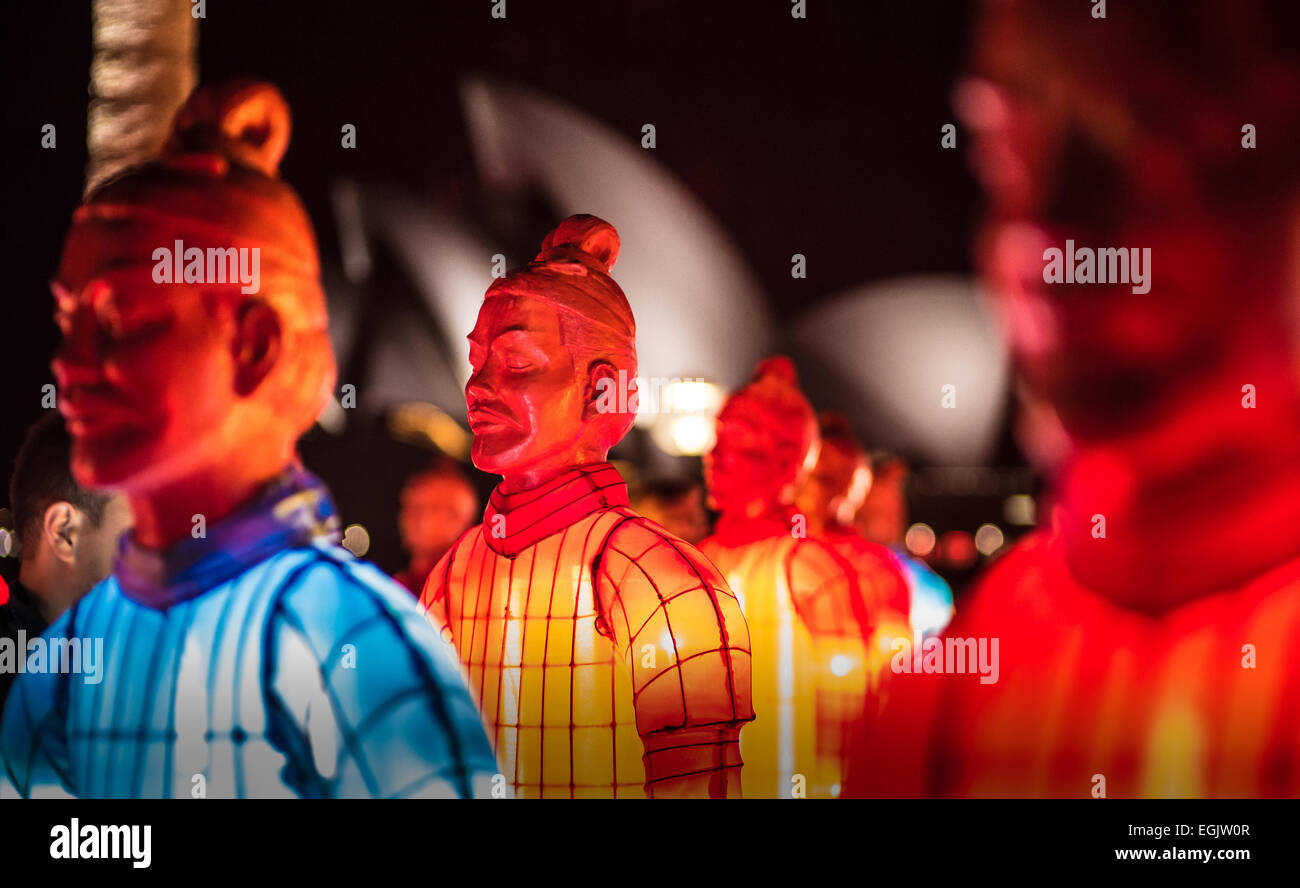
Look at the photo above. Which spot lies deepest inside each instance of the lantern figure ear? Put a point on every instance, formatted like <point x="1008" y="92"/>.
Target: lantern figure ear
<point x="247" y="122"/>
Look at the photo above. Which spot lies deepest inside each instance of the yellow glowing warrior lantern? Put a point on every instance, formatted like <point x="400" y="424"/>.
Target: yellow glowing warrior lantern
<point x="608" y="657"/>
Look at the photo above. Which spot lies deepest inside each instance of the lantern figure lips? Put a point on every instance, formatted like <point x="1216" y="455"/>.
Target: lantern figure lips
<point x="489" y="420"/>
<point x="91" y="411"/>
<point x="90" y="405"/>
<point x="87" y="419"/>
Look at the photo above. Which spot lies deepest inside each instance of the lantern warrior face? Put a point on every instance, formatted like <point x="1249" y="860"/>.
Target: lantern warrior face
<point x="838" y="485"/>
<point x="161" y="378"/>
<point x="1082" y="137"/>
<point x="550" y="340"/>
<point x="766" y="444"/>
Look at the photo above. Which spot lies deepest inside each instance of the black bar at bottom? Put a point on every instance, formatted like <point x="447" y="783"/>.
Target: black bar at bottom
<point x="666" y="844"/>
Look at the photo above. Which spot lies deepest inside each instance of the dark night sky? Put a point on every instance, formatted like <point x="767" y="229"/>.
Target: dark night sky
<point x="822" y="133"/>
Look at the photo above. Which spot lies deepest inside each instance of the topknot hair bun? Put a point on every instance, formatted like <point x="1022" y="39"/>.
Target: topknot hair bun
<point x="779" y="368"/>
<point x="587" y="234"/>
<point x="245" y="122"/>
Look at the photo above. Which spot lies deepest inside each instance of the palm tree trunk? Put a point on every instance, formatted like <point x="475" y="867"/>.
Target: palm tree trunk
<point x="144" y="65"/>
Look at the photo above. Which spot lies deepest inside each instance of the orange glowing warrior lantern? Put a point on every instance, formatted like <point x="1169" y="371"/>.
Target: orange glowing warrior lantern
<point x="808" y="619"/>
<point x="608" y="657"/>
<point x="220" y="635"/>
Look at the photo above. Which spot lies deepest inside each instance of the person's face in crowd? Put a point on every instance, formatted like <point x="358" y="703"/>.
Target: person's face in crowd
<point x="156" y="380"/>
<point x="70" y="553"/>
<point x="529" y="407"/>
<point x="435" y="510"/>
<point x="750" y="471"/>
<point x="97" y="546"/>
<point x="683" y="516"/>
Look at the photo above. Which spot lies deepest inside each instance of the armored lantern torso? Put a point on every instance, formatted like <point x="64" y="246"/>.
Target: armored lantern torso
<point x="260" y="661"/>
<point x="1094" y="699"/>
<point x="881" y="578"/>
<point x="812" y="668"/>
<point x="1200" y="701"/>
<point x="584" y="628"/>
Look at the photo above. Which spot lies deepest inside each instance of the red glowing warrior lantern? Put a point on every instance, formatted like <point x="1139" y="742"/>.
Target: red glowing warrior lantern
<point x="1145" y="635"/>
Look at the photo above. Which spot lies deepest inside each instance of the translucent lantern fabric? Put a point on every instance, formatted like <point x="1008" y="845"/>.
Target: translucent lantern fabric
<point x="260" y="661"/>
<point x="606" y="655"/>
<point x="881" y="579"/>
<point x="809" y="627"/>
<point x="1094" y="698"/>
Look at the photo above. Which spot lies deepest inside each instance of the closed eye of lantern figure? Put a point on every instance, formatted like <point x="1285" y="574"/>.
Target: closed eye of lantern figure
<point x="608" y="657"/>
<point x="245" y="653"/>
<point x="808" y="618"/>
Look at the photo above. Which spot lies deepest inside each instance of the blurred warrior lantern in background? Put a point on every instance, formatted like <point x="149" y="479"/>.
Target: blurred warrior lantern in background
<point x="830" y="498"/>
<point x="244" y="652"/>
<point x="809" y="618"/>
<point x="608" y="657"/>
<point x="1147" y="635"/>
<point x="882" y="518"/>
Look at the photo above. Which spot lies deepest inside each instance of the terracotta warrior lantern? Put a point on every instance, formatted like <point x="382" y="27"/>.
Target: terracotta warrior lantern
<point x="1147" y="626"/>
<point x="809" y="620"/>
<point x="830" y="499"/>
<point x="245" y="653"/>
<point x="608" y="657"/>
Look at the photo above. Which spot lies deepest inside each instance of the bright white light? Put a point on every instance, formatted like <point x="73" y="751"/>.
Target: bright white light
<point x="356" y="539"/>
<point x="680" y="414"/>
<point x="6" y="542"/>
<point x="688" y="435"/>
<point x="691" y="396"/>
<point x="919" y="539"/>
<point x="841" y="665"/>
<point x="988" y="539"/>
